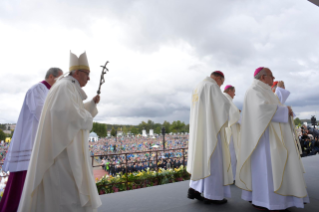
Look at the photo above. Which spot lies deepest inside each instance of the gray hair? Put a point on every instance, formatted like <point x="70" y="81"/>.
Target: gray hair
<point x="261" y="73"/>
<point x="54" y="71"/>
<point x="72" y="72"/>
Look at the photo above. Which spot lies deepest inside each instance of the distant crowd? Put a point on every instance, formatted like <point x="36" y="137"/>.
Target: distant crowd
<point x="136" y="144"/>
<point x="309" y="142"/>
<point x="173" y="157"/>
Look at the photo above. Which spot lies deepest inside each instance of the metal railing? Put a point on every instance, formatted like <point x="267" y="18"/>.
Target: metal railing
<point x="127" y="162"/>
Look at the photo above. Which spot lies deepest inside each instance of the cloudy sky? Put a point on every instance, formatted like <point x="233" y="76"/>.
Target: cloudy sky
<point x="159" y="51"/>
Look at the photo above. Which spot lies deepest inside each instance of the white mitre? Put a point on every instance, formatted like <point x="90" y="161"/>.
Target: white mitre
<point x="80" y="62"/>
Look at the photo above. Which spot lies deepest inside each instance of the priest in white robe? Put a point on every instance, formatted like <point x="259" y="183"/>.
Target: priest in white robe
<point x="60" y="176"/>
<point x="269" y="168"/>
<point x="233" y="128"/>
<point x="208" y="152"/>
<point x="19" y="152"/>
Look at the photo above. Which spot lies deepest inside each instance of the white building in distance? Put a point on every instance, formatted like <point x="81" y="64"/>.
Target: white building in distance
<point x="93" y="137"/>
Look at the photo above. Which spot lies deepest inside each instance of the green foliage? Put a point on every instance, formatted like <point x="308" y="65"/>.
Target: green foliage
<point x="2" y="135"/>
<point x="297" y="121"/>
<point x="134" y="130"/>
<point x="113" y="132"/>
<point x="99" y="129"/>
<point x="167" y="126"/>
<point x="177" y="126"/>
<point x="3" y="126"/>
<point x="125" y="130"/>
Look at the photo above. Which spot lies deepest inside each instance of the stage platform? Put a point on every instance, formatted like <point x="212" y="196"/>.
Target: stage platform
<point x="172" y="197"/>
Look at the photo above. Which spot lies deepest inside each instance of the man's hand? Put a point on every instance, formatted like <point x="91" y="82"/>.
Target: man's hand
<point x="291" y="113"/>
<point x="96" y="99"/>
<point x="281" y="84"/>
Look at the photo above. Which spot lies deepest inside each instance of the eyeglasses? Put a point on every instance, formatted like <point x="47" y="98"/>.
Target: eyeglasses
<point x="88" y="74"/>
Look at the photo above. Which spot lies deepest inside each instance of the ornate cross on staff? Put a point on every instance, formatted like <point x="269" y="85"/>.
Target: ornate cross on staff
<point x="102" y="80"/>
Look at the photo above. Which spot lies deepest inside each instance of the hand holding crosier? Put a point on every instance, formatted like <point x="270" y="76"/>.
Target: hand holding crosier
<point x="96" y="99"/>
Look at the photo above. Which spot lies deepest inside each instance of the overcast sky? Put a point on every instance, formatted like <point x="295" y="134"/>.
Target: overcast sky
<point x="159" y="50"/>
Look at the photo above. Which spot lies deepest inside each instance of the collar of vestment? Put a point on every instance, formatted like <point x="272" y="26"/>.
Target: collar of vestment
<point x="228" y="97"/>
<point x="262" y="85"/>
<point x="210" y="80"/>
<point x="46" y="84"/>
<point x="77" y="85"/>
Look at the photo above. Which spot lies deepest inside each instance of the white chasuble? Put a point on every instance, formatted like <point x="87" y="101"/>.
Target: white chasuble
<point x="208" y="118"/>
<point x="18" y="156"/>
<point x="265" y="125"/>
<point x="213" y="187"/>
<point x="60" y="176"/>
<point x="233" y="132"/>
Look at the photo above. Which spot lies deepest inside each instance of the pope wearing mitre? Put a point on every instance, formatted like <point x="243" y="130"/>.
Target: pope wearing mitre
<point x="60" y="177"/>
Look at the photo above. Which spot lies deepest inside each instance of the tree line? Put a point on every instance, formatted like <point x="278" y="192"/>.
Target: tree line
<point x="175" y="127"/>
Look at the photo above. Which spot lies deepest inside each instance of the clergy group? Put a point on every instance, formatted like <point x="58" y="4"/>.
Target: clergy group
<point x="256" y="149"/>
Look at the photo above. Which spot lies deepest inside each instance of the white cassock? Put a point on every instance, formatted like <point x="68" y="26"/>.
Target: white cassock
<point x="208" y="153"/>
<point x="20" y="148"/>
<point x="60" y="176"/>
<point x="269" y="167"/>
<point x="233" y="132"/>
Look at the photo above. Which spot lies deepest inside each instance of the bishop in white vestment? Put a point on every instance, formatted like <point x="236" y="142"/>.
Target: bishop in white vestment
<point x="60" y="176"/>
<point x="233" y="128"/>
<point x="269" y="168"/>
<point x="19" y="152"/>
<point x="208" y="153"/>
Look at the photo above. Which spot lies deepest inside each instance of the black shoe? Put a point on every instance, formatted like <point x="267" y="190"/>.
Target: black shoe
<point x="218" y="202"/>
<point x="193" y="194"/>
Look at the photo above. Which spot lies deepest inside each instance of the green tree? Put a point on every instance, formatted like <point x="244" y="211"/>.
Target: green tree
<point x="113" y="132"/>
<point x="125" y="131"/>
<point x="186" y="128"/>
<point x="297" y="121"/>
<point x="158" y="129"/>
<point x="142" y="126"/>
<point x="134" y="130"/>
<point x="150" y="125"/>
<point x="2" y="135"/>
<point x="99" y="129"/>
<point x="167" y="126"/>
<point x="177" y="126"/>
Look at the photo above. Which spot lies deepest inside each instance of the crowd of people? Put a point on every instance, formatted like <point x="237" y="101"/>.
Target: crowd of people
<point x="140" y="153"/>
<point x="309" y="142"/>
<point x="3" y="175"/>
<point x="136" y="144"/>
<point x="3" y="151"/>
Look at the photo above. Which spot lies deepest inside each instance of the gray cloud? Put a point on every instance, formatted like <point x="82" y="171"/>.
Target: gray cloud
<point x="144" y="83"/>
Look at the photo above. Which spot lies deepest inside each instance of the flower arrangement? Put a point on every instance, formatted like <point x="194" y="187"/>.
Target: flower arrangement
<point x="109" y="184"/>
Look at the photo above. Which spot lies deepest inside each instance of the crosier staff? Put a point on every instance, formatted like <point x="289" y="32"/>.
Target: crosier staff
<point x="102" y="80"/>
